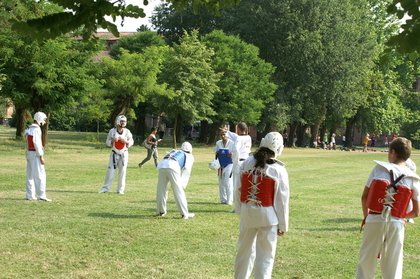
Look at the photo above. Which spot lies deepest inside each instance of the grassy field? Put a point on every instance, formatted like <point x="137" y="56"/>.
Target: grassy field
<point x="83" y="234"/>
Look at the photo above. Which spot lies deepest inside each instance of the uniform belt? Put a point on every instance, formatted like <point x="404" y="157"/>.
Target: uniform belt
<point x="375" y="213"/>
<point x="242" y="159"/>
<point x="31" y="150"/>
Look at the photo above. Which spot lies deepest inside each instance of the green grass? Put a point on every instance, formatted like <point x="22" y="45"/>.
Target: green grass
<point x="83" y="234"/>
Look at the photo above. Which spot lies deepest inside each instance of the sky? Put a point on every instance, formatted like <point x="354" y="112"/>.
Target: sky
<point x="131" y="24"/>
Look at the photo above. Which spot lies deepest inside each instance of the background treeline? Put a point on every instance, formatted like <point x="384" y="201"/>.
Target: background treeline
<point x="300" y="65"/>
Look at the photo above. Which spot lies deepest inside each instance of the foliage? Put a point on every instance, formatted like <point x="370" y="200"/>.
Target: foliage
<point x="136" y="43"/>
<point x="132" y="78"/>
<point x="335" y="44"/>
<point x="245" y="86"/>
<point x="190" y="76"/>
<point x="409" y="39"/>
<point x="171" y="23"/>
<point x="88" y="16"/>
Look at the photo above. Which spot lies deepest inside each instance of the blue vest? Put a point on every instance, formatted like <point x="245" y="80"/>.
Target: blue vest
<point x="178" y="156"/>
<point x="224" y="159"/>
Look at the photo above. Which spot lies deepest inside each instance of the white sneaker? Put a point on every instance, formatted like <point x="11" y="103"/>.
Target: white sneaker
<point x="103" y="191"/>
<point x="120" y="193"/>
<point x="188" y="216"/>
<point x="160" y="214"/>
<point x="44" y="199"/>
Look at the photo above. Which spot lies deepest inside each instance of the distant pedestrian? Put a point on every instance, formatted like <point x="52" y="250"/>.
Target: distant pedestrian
<point x="332" y="142"/>
<point x="365" y="142"/>
<point x="119" y="139"/>
<point x="36" y="177"/>
<point x="151" y="144"/>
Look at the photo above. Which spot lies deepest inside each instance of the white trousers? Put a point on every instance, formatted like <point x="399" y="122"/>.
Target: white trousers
<point x="166" y="176"/>
<point x="256" y="245"/>
<point x="236" y="179"/>
<point x="391" y="261"/>
<point x="36" y="178"/>
<point x="119" y="162"/>
<point x="226" y="184"/>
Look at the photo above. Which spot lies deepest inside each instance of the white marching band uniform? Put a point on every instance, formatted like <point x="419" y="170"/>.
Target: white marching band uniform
<point x="175" y="168"/>
<point x="223" y="152"/>
<point x="263" y="204"/>
<point x="118" y="158"/>
<point x="387" y="221"/>
<point x="36" y="178"/>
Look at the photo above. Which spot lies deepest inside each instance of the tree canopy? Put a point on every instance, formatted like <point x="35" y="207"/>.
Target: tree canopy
<point x="87" y="16"/>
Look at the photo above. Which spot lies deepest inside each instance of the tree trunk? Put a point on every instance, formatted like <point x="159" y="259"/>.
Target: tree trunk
<point x="314" y="133"/>
<point x="301" y="135"/>
<point x="349" y="131"/>
<point x="204" y="131"/>
<point x="97" y="130"/>
<point x="21" y="115"/>
<point x="292" y="134"/>
<point x="177" y="135"/>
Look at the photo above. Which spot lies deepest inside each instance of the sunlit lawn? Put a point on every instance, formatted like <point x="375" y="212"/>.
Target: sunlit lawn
<point x="83" y="234"/>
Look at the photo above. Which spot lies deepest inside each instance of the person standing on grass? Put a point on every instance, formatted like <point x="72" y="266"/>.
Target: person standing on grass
<point x="151" y="145"/>
<point x="263" y="204"/>
<point x="242" y="143"/>
<point x="36" y="178"/>
<point x="119" y="139"/>
<point x="175" y="168"/>
<point x="365" y="142"/>
<point x="223" y="149"/>
<point x="390" y="197"/>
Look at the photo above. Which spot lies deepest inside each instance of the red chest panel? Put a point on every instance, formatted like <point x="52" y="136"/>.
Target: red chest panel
<point x="257" y="189"/>
<point x="30" y="143"/>
<point x="376" y="197"/>
<point x="119" y="145"/>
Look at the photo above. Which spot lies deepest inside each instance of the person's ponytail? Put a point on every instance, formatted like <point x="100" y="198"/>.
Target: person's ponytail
<point x="262" y="155"/>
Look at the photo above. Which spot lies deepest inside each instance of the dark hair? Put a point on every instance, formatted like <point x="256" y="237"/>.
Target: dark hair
<point x="153" y="129"/>
<point x="402" y="148"/>
<point x="242" y="127"/>
<point x="263" y="155"/>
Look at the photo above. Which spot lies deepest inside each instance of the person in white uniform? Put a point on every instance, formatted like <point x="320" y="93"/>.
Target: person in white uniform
<point x="175" y="168"/>
<point x="390" y="197"/>
<point x="224" y="149"/>
<point x="242" y="148"/>
<point x="36" y="178"/>
<point x="119" y="139"/>
<point x="263" y="204"/>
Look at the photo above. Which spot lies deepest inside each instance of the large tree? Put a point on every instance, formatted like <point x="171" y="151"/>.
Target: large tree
<point x="245" y="84"/>
<point x="132" y="78"/>
<point x="87" y="16"/>
<point x="189" y="75"/>
<point x="320" y="49"/>
<point x="40" y="75"/>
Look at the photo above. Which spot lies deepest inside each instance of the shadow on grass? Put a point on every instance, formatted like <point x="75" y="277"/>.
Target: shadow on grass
<point x="339" y="222"/>
<point x="342" y="220"/>
<point x="71" y="191"/>
<point x="110" y="215"/>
